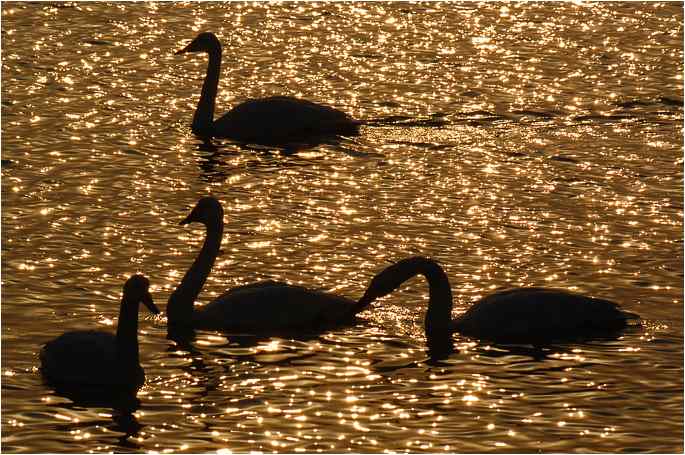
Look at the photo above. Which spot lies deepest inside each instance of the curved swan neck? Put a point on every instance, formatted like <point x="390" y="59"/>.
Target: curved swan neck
<point x="203" y="119"/>
<point x="127" y="333"/>
<point x="439" y="314"/>
<point x="180" y="305"/>
<point x="438" y="319"/>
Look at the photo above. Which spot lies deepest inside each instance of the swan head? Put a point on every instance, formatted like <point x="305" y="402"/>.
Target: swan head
<point x="207" y="211"/>
<point x="204" y="42"/>
<point x="394" y="275"/>
<point x="383" y="283"/>
<point x="373" y="292"/>
<point x="137" y="289"/>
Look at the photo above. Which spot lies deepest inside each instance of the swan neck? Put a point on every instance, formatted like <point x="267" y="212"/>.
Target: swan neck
<point x="127" y="334"/>
<point x="203" y="119"/>
<point x="180" y="305"/>
<point x="438" y="321"/>
<point x="439" y="314"/>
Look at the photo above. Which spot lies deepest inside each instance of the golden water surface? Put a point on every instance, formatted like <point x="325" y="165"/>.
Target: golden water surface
<point x="541" y="144"/>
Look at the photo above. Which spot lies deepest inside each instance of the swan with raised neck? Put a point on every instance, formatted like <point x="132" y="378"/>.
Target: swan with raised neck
<point x="277" y="120"/>
<point x="528" y="314"/>
<point x="262" y="307"/>
<point x="96" y="358"/>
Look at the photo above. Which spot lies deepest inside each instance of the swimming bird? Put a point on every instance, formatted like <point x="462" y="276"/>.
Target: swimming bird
<point x="276" y="120"/>
<point x="257" y="308"/>
<point x="519" y="315"/>
<point x="96" y="358"/>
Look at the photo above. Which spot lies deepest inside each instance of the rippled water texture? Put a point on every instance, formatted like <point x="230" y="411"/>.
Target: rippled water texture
<point x="534" y="144"/>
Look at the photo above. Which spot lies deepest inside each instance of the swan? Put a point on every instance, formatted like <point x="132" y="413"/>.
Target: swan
<point x="95" y="358"/>
<point x="275" y="120"/>
<point x="262" y="307"/>
<point x="518" y="315"/>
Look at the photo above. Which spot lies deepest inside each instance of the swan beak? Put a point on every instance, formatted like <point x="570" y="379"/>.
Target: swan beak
<point x="185" y="49"/>
<point x="147" y="300"/>
<point x="364" y="301"/>
<point x="186" y="220"/>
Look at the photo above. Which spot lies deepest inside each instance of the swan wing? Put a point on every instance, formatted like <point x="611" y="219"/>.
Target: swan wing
<point x="530" y="313"/>
<point x="273" y="306"/>
<point x="82" y="357"/>
<point x="251" y="287"/>
<point x="282" y="119"/>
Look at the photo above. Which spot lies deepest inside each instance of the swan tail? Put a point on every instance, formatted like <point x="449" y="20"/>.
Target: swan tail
<point x="628" y="316"/>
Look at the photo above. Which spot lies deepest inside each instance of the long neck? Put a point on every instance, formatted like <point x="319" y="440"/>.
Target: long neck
<point x="127" y="334"/>
<point x="180" y="305"/>
<point x="438" y="319"/>
<point x="204" y="114"/>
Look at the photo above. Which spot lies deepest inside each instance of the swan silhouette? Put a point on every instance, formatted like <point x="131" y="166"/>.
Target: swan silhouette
<point x="276" y="120"/>
<point x="257" y="308"/>
<point x="95" y="358"/>
<point x="519" y="315"/>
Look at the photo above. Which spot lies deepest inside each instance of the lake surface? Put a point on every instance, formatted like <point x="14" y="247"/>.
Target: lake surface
<point x="534" y="144"/>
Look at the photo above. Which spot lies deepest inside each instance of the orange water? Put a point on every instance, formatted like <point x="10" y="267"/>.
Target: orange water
<point x="544" y="146"/>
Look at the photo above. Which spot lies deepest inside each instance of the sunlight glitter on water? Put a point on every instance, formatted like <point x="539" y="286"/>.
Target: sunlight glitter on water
<point x="559" y="162"/>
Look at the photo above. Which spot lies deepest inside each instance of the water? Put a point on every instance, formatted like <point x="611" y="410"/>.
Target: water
<point x="542" y="146"/>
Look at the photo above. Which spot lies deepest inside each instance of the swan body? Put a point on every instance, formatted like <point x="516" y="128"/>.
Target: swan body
<point x="262" y="307"/>
<point x="95" y="358"/>
<point x="277" y="120"/>
<point x="272" y="307"/>
<point x="519" y="315"/>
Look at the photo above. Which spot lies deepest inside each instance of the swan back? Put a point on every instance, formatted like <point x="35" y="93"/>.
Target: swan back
<point x="272" y="306"/>
<point x="75" y="357"/>
<point x="533" y="313"/>
<point x="283" y="119"/>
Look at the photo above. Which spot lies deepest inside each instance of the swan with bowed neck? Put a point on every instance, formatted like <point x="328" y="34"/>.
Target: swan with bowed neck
<point x="262" y="307"/>
<point x="277" y="120"/>
<point x="96" y="358"/>
<point x="519" y="315"/>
